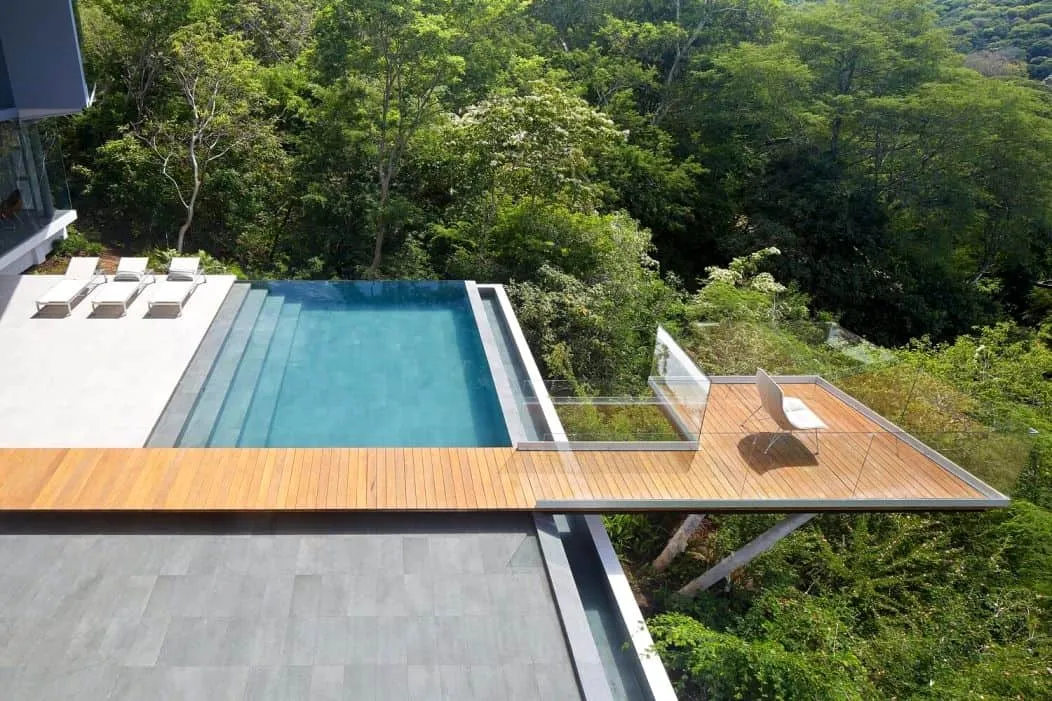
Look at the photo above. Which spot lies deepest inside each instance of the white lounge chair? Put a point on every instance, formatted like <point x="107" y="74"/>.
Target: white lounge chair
<point x="184" y="275"/>
<point x="81" y="277"/>
<point x="131" y="278"/>
<point x="790" y="413"/>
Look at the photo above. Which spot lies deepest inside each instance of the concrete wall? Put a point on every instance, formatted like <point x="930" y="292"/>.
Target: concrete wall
<point x="42" y="53"/>
<point x="41" y="235"/>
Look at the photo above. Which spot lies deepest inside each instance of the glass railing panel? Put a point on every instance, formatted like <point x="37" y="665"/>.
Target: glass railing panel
<point x="669" y="410"/>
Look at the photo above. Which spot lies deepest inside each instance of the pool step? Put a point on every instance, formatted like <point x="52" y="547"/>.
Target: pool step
<point x="261" y="413"/>
<point x="239" y="396"/>
<point x="203" y="417"/>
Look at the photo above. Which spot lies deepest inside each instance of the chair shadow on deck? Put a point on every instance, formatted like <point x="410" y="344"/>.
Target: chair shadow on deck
<point x="787" y="451"/>
<point x="51" y="313"/>
<point x="107" y="312"/>
<point x="163" y="312"/>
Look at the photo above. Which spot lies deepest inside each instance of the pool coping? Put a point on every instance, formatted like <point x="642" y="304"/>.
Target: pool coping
<point x="659" y="686"/>
<point x="501" y="381"/>
<point x="522" y="349"/>
<point x="588" y="666"/>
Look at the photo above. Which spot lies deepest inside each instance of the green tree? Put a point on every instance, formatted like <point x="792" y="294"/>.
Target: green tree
<point x="217" y="111"/>
<point x="1014" y="32"/>
<point x="279" y="30"/>
<point x="541" y="147"/>
<point x="594" y="327"/>
<point x="400" y="59"/>
<point x="892" y="180"/>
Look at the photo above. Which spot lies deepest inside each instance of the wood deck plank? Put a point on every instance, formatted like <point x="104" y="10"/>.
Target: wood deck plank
<point x="410" y="493"/>
<point x="361" y="478"/>
<point x="211" y="480"/>
<point x="343" y="497"/>
<point x="460" y="499"/>
<point x="421" y="464"/>
<point x="143" y="484"/>
<point x="283" y="467"/>
<point x="310" y="498"/>
<point x="471" y="498"/>
<point x="34" y="477"/>
<point x="248" y="472"/>
<point x="269" y="482"/>
<point x="69" y="477"/>
<point x="300" y="467"/>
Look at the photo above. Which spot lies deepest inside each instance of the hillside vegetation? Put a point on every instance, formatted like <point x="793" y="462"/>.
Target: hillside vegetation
<point x="932" y="606"/>
<point x="1001" y="37"/>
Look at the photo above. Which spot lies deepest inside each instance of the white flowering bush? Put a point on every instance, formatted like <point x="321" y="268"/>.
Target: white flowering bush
<point x="743" y="292"/>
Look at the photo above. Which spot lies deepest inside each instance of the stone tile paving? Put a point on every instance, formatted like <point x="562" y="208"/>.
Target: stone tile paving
<point x="290" y="607"/>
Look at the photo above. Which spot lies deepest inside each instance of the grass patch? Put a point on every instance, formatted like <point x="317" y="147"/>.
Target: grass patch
<point x="616" y="422"/>
<point x="738" y="348"/>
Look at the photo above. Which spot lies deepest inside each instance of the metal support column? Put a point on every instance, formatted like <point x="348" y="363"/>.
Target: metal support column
<point x="745" y="555"/>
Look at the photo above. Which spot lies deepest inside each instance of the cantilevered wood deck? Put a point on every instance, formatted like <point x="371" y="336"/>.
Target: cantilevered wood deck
<point x="860" y="465"/>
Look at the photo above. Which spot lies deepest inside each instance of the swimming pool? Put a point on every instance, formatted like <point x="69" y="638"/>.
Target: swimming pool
<point x="341" y="364"/>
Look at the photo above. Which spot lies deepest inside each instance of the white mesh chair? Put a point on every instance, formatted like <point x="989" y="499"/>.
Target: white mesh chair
<point x="184" y="275"/>
<point x="80" y="279"/>
<point x="790" y="413"/>
<point x="131" y="278"/>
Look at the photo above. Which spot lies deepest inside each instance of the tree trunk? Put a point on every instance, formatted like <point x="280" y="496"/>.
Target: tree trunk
<point x="192" y="203"/>
<point x="378" y="247"/>
<point x="381" y="223"/>
<point x="189" y="219"/>
<point x="678" y="542"/>
<point x="834" y="140"/>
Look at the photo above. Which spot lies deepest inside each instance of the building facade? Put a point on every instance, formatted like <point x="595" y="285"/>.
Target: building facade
<point x="41" y="76"/>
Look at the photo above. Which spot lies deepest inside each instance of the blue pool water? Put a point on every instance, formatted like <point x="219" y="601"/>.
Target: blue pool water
<point x="333" y="364"/>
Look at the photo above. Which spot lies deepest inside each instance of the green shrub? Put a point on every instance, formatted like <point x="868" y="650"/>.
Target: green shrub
<point x="1035" y="480"/>
<point x="76" y="244"/>
<point x="1026" y="539"/>
<point x="210" y="265"/>
<point x="634" y="536"/>
<point x="718" y="666"/>
<point x="788" y="348"/>
<point x="801" y="623"/>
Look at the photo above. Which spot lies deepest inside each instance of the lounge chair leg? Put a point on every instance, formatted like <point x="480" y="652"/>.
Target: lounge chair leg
<point x="773" y="441"/>
<point x="749" y="417"/>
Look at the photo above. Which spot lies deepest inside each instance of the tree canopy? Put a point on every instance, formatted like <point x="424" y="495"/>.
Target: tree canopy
<point x="905" y="188"/>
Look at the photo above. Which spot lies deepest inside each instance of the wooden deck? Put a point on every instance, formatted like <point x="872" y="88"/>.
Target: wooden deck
<point x="859" y="466"/>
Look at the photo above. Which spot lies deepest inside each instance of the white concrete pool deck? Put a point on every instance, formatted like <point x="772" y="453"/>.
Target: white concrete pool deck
<point x="82" y="381"/>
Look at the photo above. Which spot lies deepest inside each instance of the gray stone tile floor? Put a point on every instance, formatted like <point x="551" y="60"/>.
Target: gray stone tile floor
<point x="283" y="607"/>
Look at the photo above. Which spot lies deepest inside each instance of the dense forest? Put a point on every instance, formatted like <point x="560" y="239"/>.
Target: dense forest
<point x="757" y="164"/>
<point x="1001" y="37"/>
